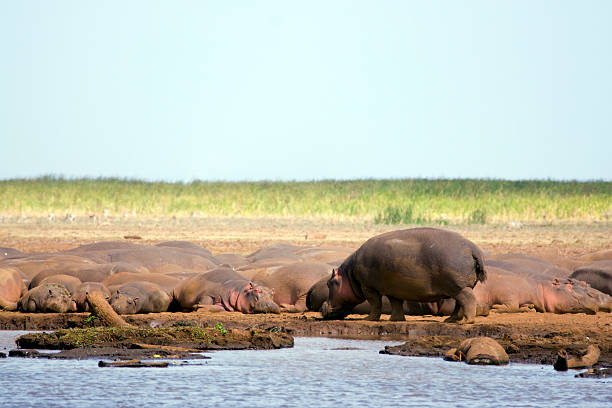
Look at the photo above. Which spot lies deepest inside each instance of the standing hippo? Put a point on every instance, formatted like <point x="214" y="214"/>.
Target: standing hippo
<point x="11" y="288"/>
<point x="420" y="264"/>
<point x="225" y="288"/>
<point x="47" y="298"/>
<point x="138" y="297"/>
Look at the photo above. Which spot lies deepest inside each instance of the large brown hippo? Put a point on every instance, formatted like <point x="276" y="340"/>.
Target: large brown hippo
<point x="69" y="282"/>
<point x="138" y="297"/>
<point x="420" y="264"/>
<point x="292" y="282"/>
<point x="504" y="291"/>
<point x="32" y="265"/>
<point x="227" y="289"/>
<point x="87" y="287"/>
<point x="598" y="274"/>
<point x="11" y="288"/>
<point x="537" y="266"/>
<point x="167" y="283"/>
<point x="47" y="298"/>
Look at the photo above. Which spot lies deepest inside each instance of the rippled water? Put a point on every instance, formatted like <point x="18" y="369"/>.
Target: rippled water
<point x="317" y="372"/>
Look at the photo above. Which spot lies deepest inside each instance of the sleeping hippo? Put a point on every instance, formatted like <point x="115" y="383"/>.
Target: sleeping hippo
<point x="138" y="297"/>
<point x="11" y="288"/>
<point x="505" y="291"/>
<point x="226" y="289"/>
<point x="419" y="264"/>
<point x="598" y="274"/>
<point x="292" y="282"/>
<point x="88" y="287"/>
<point x="47" y="298"/>
<point x="69" y="282"/>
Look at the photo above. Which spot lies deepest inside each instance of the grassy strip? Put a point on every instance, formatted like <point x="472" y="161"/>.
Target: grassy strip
<point x="410" y="201"/>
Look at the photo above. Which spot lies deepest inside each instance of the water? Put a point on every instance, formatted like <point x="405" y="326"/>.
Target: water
<point x="317" y="372"/>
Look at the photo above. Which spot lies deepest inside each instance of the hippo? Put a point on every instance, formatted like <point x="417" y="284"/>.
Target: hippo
<point x="47" y="298"/>
<point x="325" y="254"/>
<point x="292" y="282"/>
<point x="11" y="288"/>
<point x="419" y="264"/>
<point x="227" y="289"/>
<point x="167" y="283"/>
<point x="69" y="282"/>
<point x="319" y="292"/>
<point x="31" y="265"/>
<point x="88" y="287"/>
<point x="235" y="260"/>
<point x="138" y="297"/>
<point x="598" y="274"/>
<point x="479" y="350"/>
<point x="190" y="247"/>
<point x="275" y="251"/>
<point x="506" y="292"/>
<point x="535" y="265"/>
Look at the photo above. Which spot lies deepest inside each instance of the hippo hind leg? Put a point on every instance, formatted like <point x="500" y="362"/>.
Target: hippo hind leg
<point x="465" y="308"/>
<point x="397" y="309"/>
<point x="375" y="300"/>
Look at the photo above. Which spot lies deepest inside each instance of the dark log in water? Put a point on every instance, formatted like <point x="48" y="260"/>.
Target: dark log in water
<point x="132" y="363"/>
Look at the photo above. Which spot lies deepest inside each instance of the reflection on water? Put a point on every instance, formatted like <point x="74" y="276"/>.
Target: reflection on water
<point x="317" y="372"/>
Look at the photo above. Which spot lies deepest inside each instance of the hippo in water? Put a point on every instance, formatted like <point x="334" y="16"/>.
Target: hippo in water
<point x="420" y="265"/>
<point x="227" y="289"/>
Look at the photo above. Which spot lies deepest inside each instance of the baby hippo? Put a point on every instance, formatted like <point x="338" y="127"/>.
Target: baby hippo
<point x="138" y="297"/>
<point x="47" y="298"/>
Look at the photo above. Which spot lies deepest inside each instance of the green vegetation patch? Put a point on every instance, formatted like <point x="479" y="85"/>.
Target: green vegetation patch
<point x="408" y="201"/>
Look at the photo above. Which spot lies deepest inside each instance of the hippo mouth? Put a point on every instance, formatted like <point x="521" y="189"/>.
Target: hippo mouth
<point x="330" y="313"/>
<point x="266" y="307"/>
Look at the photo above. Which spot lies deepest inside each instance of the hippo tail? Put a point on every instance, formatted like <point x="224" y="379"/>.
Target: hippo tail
<point x="481" y="273"/>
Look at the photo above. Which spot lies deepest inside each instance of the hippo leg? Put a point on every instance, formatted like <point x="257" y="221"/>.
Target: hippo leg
<point x="375" y="300"/>
<point x="465" y="309"/>
<point x="397" y="309"/>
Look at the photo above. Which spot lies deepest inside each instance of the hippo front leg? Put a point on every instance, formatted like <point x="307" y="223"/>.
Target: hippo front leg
<point x="397" y="309"/>
<point x="465" y="309"/>
<point x="375" y="300"/>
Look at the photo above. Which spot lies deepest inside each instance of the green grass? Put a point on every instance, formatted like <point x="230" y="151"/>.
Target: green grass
<point x="409" y="201"/>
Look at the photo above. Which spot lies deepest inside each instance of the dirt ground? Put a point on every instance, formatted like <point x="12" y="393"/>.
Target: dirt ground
<point x="528" y="337"/>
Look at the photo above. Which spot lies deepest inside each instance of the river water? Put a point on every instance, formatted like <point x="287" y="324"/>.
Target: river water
<point x="317" y="372"/>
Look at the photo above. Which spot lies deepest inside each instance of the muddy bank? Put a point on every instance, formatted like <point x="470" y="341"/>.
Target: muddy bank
<point x="527" y="337"/>
<point x="125" y="343"/>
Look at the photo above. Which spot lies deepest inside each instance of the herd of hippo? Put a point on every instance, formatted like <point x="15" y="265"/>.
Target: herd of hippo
<point x="414" y="271"/>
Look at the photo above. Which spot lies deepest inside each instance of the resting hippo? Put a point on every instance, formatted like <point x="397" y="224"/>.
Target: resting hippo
<point x="138" y="297"/>
<point x="11" y="288"/>
<point x="478" y="350"/>
<point x="47" y="298"/>
<point x="225" y="288"/>
<point x="84" y="289"/>
<point x="167" y="283"/>
<point x="598" y="274"/>
<point x="506" y="292"/>
<point x="69" y="282"/>
<point x="537" y="266"/>
<point x="292" y="282"/>
<point x="420" y="264"/>
<point x="31" y="265"/>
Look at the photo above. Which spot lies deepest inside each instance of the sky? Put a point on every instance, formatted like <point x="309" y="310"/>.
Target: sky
<point x="288" y="90"/>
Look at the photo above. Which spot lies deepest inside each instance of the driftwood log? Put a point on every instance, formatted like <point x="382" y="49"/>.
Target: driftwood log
<point x="100" y="307"/>
<point x="131" y="363"/>
<point x="587" y="360"/>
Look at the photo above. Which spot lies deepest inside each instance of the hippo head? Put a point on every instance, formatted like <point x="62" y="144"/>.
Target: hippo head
<point x="571" y="296"/>
<point x="252" y="298"/>
<point x="58" y="300"/>
<point x="341" y="299"/>
<point x="124" y="303"/>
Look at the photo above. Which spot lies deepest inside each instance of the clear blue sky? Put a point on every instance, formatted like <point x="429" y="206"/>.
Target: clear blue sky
<point x="288" y="90"/>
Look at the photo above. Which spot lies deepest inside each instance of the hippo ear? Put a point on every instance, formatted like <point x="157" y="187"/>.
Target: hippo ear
<point x="136" y="300"/>
<point x="248" y="286"/>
